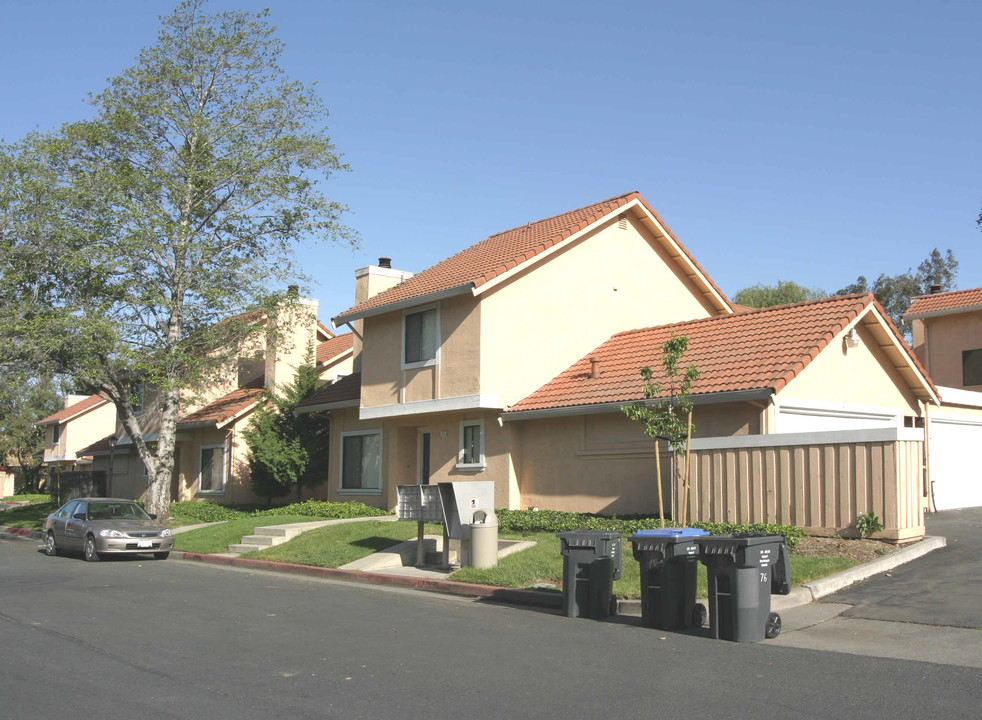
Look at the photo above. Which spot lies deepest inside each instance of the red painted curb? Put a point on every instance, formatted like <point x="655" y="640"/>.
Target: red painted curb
<point x="487" y="592"/>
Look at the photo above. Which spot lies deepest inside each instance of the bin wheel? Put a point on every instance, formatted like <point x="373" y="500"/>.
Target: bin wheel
<point x="773" y="627"/>
<point x="613" y="605"/>
<point x="699" y="616"/>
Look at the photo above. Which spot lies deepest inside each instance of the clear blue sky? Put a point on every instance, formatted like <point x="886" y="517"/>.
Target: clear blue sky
<point x="811" y="142"/>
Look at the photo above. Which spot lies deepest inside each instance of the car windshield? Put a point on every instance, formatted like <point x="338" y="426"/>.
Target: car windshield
<point x="116" y="511"/>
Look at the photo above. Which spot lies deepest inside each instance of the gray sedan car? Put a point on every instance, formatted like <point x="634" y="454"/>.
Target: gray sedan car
<point x="105" y="526"/>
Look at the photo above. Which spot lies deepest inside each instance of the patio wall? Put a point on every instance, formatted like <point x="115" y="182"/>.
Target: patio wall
<point x="818" y="481"/>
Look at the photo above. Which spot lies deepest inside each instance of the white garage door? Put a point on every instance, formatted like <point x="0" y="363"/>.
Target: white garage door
<point x="795" y="416"/>
<point x="956" y="470"/>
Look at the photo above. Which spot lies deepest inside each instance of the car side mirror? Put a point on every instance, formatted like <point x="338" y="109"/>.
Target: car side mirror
<point x="79" y="516"/>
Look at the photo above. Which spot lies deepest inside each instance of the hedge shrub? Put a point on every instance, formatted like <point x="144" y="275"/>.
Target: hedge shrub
<point x="556" y="521"/>
<point x="206" y="511"/>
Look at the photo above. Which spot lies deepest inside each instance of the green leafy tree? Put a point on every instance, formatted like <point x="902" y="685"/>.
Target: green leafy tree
<point x="288" y="450"/>
<point x="895" y="292"/>
<point x="23" y="401"/>
<point x="784" y="293"/>
<point x="666" y="413"/>
<point x="129" y="240"/>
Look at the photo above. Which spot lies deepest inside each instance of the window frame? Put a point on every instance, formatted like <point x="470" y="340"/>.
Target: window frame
<point x="435" y="360"/>
<point x="975" y="353"/>
<point x="201" y="468"/>
<point x="138" y="391"/>
<point x="342" y="490"/>
<point x="481" y="463"/>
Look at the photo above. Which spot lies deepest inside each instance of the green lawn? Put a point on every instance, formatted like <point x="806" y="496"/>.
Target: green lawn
<point x="336" y="545"/>
<point x="217" y="538"/>
<point x="31" y="516"/>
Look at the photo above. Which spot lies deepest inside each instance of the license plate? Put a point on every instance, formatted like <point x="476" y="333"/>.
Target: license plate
<point x="144" y="543"/>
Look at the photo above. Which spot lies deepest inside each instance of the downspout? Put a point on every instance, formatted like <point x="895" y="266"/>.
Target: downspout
<point x="928" y="484"/>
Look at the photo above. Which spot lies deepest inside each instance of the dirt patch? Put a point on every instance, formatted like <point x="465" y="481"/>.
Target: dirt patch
<point x="859" y="550"/>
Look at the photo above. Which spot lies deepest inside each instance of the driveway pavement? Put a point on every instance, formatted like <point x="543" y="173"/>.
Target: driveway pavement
<point x="941" y="588"/>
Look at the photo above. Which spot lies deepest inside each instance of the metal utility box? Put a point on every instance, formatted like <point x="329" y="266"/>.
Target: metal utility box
<point x="421" y="503"/>
<point x="669" y="559"/>
<point x="592" y="561"/>
<point x="468" y="516"/>
<point x="743" y="570"/>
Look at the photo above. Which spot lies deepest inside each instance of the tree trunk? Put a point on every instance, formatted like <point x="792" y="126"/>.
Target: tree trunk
<point x="661" y="494"/>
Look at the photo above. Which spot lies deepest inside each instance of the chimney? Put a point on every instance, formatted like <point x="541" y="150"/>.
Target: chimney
<point x="594" y="367"/>
<point x="935" y="289"/>
<point x="293" y="291"/>
<point x="370" y="281"/>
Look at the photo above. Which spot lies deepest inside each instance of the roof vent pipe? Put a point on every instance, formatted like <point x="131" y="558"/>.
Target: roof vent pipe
<point x="935" y="289"/>
<point x="385" y="262"/>
<point x="594" y="367"/>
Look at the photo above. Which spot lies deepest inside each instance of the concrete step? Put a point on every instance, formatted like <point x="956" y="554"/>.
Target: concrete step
<point x="281" y="531"/>
<point x="264" y="540"/>
<point x="240" y="548"/>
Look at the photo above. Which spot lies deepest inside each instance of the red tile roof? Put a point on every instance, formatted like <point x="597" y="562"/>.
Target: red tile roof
<point x="83" y="406"/>
<point x="330" y="349"/>
<point x="504" y="251"/>
<point x="945" y="303"/>
<point x="100" y="446"/>
<point x="755" y="350"/>
<point x="225" y="409"/>
<point x="344" y="390"/>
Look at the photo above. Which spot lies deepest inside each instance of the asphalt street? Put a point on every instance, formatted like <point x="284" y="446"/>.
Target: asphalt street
<point x="175" y="639"/>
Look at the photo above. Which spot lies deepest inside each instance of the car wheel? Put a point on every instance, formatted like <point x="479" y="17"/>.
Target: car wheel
<point x="699" y="615"/>
<point x="90" y="554"/>
<point x="773" y="627"/>
<point x="50" y="549"/>
<point x="160" y="556"/>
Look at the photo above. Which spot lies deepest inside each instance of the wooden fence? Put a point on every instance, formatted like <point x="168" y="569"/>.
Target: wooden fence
<point x="67" y="486"/>
<point x="821" y="482"/>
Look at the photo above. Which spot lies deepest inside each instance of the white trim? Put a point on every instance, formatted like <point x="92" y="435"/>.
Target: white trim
<point x="955" y="419"/>
<point x="462" y="402"/>
<point x="817" y="408"/>
<point x="348" y="318"/>
<point x="957" y="396"/>
<point x="225" y="455"/>
<point x="435" y="360"/>
<point x="474" y="466"/>
<point x="384" y="272"/>
<point x="381" y="477"/>
<point x="828" y="437"/>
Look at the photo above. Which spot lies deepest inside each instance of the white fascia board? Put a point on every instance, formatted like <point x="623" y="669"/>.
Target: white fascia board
<point x="596" y="409"/>
<point x="957" y="396"/>
<point x="239" y="414"/>
<point x="465" y="289"/>
<point x="832" y="437"/>
<point x="898" y="345"/>
<point x="464" y="402"/>
<point x="321" y="407"/>
<point x="684" y="257"/>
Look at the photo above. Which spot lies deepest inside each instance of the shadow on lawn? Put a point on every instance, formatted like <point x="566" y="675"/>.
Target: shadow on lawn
<point x="376" y="543"/>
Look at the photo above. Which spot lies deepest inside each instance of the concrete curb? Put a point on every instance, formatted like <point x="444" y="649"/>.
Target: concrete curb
<point x="483" y="592"/>
<point x="16" y="532"/>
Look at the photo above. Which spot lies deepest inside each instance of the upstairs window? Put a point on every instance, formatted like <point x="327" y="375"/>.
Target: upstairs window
<point x="55" y="434"/>
<point x="137" y="392"/>
<point x="971" y="367"/>
<point x="419" y="337"/>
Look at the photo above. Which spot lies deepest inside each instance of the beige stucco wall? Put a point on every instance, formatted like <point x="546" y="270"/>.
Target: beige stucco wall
<point x="536" y="324"/>
<point x="456" y="372"/>
<point x="604" y="463"/>
<point x="858" y="376"/>
<point x="939" y="342"/>
<point x="80" y="432"/>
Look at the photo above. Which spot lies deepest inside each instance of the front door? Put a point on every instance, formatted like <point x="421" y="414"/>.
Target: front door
<point x="423" y="458"/>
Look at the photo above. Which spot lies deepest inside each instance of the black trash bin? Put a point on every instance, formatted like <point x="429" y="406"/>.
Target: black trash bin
<point x="743" y="570"/>
<point x="669" y="563"/>
<point x="592" y="561"/>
